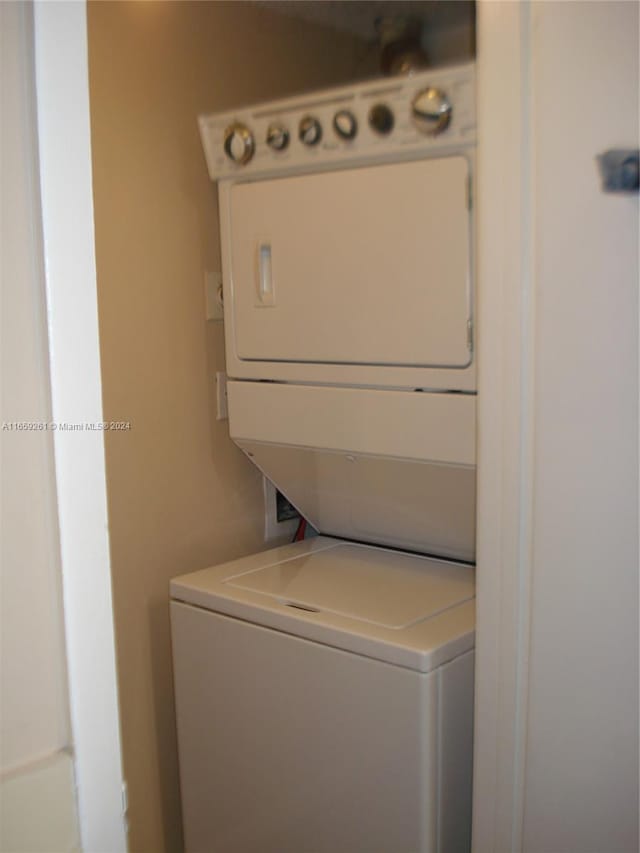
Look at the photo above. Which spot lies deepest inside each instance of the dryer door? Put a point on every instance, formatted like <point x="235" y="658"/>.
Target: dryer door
<point x="367" y="266"/>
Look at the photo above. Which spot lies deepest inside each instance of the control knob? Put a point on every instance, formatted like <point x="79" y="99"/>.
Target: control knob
<point x="345" y="124"/>
<point x="239" y="144"/>
<point x="310" y="131"/>
<point x="277" y="137"/>
<point x="381" y="119"/>
<point x="431" y="110"/>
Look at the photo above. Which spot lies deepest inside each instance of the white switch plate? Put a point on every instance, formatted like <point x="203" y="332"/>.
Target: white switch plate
<point x="222" y="411"/>
<point x="213" y="295"/>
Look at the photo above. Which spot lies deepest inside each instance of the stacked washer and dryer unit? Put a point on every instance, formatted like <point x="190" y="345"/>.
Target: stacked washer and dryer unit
<point x="324" y="689"/>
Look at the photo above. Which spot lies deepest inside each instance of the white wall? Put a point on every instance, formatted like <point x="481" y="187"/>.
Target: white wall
<point x="37" y="789"/>
<point x="556" y="742"/>
<point x="34" y="717"/>
<point x="581" y="780"/>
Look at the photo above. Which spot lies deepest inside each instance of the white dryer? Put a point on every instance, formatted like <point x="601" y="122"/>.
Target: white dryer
<point x="324" y="690"/>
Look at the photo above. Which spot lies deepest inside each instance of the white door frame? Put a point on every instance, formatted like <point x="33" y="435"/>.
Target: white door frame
<point x="505" y="419"/>
<point x="62" y="87"/>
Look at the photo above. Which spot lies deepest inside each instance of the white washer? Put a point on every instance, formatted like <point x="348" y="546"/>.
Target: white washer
<point x="324" y="698"/>
<point x="324" y="690"/>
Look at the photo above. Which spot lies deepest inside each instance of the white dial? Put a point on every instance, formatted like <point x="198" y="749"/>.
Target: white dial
<point x="239" y="143"/>
<point x="345" y="124"/>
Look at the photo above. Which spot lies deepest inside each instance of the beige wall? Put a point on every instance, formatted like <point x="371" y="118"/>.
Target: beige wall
<point x="181" y="496"/>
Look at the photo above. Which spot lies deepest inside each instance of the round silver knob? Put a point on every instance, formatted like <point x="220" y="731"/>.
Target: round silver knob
<point x="310" y="130"/>
<point x="345" y="124"/>
<point x="239" y="144"/>
<point x="431" y="110"/>
<point x="277" y="137"/>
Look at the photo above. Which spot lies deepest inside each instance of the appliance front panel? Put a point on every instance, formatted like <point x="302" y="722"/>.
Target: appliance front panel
<point x="289" y="746"/>
<point x="438" y="428"/>
<point x="391" y="467"/>
<point x="240" y="143"/>
<point x="369" y="266"/>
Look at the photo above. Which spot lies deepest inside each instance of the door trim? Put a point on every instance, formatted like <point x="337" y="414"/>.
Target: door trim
<point x="505" y="423"/>
<point x="64" y="139"/>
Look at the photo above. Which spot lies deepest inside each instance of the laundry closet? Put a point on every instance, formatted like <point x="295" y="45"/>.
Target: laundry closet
<point x="324" y="689"/>
<point x="553" y="344"/>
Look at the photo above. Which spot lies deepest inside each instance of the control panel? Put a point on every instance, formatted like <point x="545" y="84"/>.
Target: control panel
<point x="391" y="117"/>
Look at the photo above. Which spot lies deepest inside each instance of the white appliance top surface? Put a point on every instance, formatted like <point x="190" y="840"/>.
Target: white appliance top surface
<point x="382" y="587"/>
<point x="400" y="608"/>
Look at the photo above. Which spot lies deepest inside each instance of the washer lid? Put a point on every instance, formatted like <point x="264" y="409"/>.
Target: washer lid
<point x="385" y="588"/>
<point x="400" y="608"/>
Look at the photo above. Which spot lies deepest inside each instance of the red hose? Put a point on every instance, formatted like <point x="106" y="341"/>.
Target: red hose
<point x="302" y="527"/>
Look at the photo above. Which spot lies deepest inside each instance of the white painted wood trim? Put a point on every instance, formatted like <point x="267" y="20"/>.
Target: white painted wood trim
<point x="67" y="210"/>
<point x="505" y="418"/>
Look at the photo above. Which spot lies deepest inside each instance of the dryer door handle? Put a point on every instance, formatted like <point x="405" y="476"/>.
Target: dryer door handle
<point x="266" y="293"/>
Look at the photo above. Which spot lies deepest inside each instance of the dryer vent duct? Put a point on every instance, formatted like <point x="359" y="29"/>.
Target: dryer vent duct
<point x="401" y="50"/>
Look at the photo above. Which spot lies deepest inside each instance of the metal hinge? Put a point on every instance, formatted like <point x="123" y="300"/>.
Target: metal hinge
<point x="470" y="335"/>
